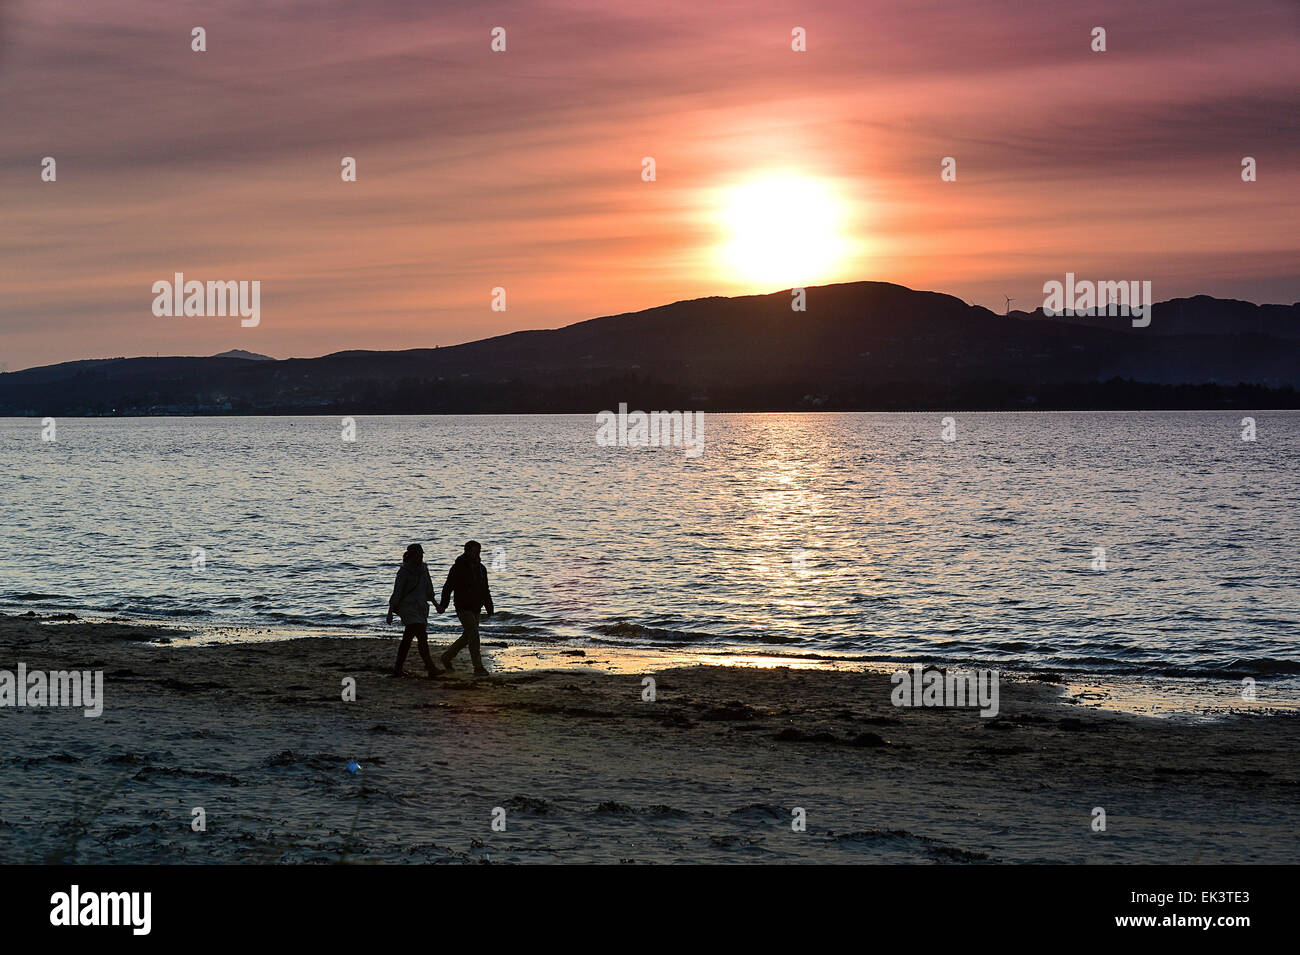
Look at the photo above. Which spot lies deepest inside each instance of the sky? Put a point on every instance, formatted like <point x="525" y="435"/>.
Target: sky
<point x="523" y="169"/>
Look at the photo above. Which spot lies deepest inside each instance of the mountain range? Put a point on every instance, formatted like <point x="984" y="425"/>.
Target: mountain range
<point x="857" y="346"/>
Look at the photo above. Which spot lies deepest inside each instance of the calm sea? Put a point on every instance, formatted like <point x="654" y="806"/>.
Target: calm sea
<point x="861" y="535"/>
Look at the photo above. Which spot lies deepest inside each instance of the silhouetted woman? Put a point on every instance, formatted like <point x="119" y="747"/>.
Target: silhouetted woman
<point x="412" y="594"/>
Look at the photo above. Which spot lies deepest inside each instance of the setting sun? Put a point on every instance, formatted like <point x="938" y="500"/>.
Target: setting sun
<point x="782" y="230"/>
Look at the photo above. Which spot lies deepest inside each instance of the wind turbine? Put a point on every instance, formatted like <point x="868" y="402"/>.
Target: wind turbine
<point x="1009" y="301"/>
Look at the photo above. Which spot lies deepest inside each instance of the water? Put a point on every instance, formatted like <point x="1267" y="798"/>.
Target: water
<point x="859" y="535"/>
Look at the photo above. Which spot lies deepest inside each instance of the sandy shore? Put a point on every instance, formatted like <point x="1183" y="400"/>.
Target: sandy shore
<point x="258" y="735"/>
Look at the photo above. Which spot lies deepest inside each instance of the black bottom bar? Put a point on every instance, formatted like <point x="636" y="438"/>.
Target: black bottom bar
<point x="355" y="904"/>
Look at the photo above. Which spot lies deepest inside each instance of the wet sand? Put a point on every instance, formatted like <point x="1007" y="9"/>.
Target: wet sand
<point x="259" y="736"/>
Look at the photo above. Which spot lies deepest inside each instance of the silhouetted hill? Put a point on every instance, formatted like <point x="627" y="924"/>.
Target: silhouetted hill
<point x="1203" y="315"/>
<point x="240" y="353"/>
<point x="859" y="345"/>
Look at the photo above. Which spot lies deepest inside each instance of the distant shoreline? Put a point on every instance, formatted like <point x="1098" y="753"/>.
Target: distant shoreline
<point x="938" y="409"/>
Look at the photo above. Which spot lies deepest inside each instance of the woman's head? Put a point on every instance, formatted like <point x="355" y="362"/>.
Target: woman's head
<point x="414" y="554"/>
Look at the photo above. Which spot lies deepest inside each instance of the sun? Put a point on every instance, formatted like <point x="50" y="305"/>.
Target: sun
<point x="782" y="230"/>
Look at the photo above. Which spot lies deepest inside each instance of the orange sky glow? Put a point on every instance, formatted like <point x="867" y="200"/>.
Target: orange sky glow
<point x="523" y="169"/>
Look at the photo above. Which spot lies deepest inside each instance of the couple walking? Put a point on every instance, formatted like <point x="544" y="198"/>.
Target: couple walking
<point x="466" y="587"/>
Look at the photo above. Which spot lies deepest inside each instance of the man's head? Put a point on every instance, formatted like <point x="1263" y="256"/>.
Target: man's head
<point x="472" y="549"/>
<point x="414" y="554"/>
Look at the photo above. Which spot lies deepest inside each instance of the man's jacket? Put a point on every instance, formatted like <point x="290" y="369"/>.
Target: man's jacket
<point x="467" y="583"/>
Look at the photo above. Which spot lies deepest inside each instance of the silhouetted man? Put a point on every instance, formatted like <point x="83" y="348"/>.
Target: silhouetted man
<point x="467" y="585"/>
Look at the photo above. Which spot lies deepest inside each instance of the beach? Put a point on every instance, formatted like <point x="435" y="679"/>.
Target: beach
<point x="573" y="764"/>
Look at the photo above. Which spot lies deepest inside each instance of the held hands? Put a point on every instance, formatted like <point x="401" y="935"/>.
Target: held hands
<point x="390" y="617"/>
